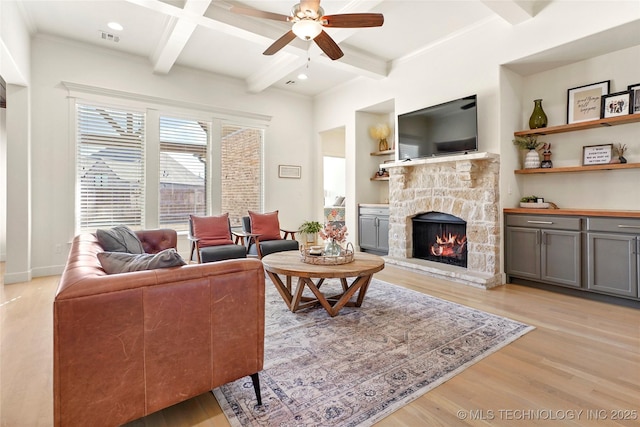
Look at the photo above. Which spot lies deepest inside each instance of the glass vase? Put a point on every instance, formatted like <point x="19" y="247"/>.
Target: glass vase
<point x="332" y="248"/>
<point x="538" y="118"/>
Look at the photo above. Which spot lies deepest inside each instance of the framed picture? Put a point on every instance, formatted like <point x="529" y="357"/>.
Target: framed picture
<point x="596" y="154"/>
<point x="584" y="102"/>
<point x="634" y="94"/>
<point x="616" y="104"/>
<point x="289" y="171"/>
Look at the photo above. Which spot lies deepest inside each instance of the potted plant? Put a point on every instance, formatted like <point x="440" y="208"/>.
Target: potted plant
<point x="531" y="143"/>
<point x="310" y="229"/>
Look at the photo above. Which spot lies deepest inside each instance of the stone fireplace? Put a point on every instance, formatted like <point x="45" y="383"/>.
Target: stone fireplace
<point x="465" y="187"/>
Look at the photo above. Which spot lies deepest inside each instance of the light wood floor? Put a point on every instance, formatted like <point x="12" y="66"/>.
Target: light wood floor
<point x="583" y="356"/>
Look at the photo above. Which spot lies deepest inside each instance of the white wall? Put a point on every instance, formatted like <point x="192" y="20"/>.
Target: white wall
<point x="287" y="139"/>
<point x="15" y="68"/>
<point x="3" y="185"/>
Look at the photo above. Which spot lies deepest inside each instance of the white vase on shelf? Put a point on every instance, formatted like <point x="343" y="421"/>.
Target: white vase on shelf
<point x="532" y="160"/>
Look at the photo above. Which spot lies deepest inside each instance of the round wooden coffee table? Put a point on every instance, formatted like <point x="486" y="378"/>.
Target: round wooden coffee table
<point x="290" y="264"/>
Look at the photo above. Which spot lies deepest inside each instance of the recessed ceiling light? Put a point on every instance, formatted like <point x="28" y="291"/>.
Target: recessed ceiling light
<point x="115" y="26"/>
<point x="303" y="76"/>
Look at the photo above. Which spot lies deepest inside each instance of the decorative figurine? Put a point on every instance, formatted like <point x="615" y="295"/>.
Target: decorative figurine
<point x="546" y="155"/>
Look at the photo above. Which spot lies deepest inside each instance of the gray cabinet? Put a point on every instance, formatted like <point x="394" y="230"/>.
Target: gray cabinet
<point x="613" y="247"/>
<point x="544" y="248"/>
<point x="373" y="232"/>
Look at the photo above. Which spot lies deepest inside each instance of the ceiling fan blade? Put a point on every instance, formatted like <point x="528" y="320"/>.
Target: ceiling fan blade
<point x="328" y="46"/>
<point x="259" y="13"/>
<point x="353" y="20"/>
<point x="280" y="43"/>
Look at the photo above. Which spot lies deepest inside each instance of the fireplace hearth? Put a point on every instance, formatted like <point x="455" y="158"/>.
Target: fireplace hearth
<point x="440" y="237"/>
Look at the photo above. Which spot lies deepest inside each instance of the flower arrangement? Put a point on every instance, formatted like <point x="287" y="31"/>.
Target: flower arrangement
<point x="334" y="233"/>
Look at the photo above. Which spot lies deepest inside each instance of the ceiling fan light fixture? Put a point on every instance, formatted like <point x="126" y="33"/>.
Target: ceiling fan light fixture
<point x="307" y="29"/>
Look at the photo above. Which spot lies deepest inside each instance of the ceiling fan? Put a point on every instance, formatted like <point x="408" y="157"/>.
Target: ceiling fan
<point x="308" y="21"/>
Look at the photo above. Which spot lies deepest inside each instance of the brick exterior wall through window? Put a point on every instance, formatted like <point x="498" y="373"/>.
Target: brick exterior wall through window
<point x="241" y="172"/>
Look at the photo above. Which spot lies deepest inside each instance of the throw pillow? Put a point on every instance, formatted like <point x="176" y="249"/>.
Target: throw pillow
<point x="120" y="239"/>
<point x="211" y="230"/>
<point x="266" y="225"/>
<point x="122" y="262"/>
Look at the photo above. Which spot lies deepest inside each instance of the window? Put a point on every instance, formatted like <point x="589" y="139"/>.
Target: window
<point x="110" y="162"/>
<point x="241" y="171"/>
<point x="183" y="171"/>
<point x="143" y="168"/>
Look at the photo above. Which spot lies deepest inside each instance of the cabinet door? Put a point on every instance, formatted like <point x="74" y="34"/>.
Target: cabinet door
<point x="613" y="263"/>
<point x="561" y="255"/>
<point x="383" y="233"/>
<point x="368" y="232"/>
<point x="523" y="252"/>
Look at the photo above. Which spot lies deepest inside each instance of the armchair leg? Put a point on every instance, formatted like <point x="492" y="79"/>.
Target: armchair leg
<point x="256" y="386"/>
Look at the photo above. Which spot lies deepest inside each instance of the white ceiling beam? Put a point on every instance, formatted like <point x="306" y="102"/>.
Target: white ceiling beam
<point x="280" y="66"/>
<point x="175" y="39"/>
<point x="512" y="11"/>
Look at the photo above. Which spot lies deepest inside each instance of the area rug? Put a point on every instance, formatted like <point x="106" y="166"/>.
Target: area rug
<point x="358" y="367"/>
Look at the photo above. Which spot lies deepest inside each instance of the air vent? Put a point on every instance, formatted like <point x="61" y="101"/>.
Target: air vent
<point x="109" y="37"/>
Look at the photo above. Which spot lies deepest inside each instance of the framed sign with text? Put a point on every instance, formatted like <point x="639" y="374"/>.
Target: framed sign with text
<point x="289" y="171"/>
<point x="584" y="102"/>
<point x="596" y="154"/>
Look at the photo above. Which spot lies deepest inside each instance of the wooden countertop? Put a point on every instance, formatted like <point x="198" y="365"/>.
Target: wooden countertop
<point x="575" y="212"/>
<point x="374" y="205"/>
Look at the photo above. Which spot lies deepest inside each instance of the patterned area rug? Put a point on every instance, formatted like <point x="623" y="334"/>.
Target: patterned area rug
<point x="358" y="367"/>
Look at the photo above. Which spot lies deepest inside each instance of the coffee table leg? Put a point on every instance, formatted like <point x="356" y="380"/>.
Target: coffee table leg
<point x="319" y="295"/>
<point x="363" y="291"/>
<point x="361" y="283"/>
<point x="282" y="289"/>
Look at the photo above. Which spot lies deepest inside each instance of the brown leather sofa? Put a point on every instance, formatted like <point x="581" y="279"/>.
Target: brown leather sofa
<point x="127" y="345"/>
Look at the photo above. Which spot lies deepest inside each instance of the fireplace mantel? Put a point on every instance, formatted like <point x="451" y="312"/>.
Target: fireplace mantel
<point x="442" y="159"/>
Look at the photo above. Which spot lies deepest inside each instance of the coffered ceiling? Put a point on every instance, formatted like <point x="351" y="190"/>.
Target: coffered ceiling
<point x="206" y="35"/>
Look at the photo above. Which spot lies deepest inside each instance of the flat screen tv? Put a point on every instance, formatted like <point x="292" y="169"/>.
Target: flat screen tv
<point x="444" y="129"/>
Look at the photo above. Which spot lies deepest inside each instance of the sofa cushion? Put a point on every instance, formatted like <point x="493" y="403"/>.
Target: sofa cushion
<point x="119" y="239"/>
<point x="266" y="225"/>
<point x="211" y="230"/>
<point x="122" y="262"/>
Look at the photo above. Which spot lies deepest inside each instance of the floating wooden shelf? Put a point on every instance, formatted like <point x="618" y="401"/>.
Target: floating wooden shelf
<point x="592" y="124"/>
<point x="611" y="166"/>
<point x="383" y="153"/>
<point x="380" y="178"/>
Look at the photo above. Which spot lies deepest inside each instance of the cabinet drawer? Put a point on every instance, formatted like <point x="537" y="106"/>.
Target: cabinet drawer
<point x="544" y="221"/>
<point x="374" y="211"/>
<point x="616" y="225"/>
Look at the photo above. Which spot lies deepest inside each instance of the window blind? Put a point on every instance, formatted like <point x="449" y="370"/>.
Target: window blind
<point x="110" y="167"/>
<point x="183" y="170"/>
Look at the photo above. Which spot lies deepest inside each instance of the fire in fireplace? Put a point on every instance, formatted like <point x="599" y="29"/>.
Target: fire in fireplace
<point x="441" y="238"/>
